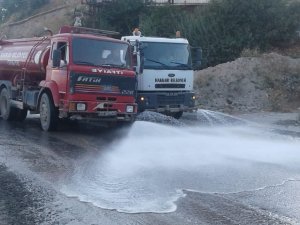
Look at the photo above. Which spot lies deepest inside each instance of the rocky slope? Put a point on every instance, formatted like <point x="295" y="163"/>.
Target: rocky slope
<point x="53" y="16"/>
<point x="270" y="82"/>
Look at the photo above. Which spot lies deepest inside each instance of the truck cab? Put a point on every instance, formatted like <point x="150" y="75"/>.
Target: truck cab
<point x="164" y="73"/>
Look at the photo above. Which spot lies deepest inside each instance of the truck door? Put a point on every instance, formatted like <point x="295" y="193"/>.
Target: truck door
<point x="59" y="74"/>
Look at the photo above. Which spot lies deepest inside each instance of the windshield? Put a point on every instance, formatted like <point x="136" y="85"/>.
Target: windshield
<point x="166" y="56"/>
<point x="100" y="53"/>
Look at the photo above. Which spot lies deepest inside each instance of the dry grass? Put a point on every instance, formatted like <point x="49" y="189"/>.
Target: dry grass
<point x="292" y="50"/>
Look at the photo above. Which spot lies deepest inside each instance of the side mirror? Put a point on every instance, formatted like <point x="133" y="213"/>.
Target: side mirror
<point x="197" y="57"/>
<point x="56" y="58"/>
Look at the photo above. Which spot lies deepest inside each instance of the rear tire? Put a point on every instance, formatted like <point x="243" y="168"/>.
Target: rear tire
<point x="48" y="113"/>
<point x="7" y="112"/>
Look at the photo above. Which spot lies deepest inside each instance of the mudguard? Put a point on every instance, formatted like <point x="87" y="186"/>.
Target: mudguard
<point x="53" y="88"/>
<point x="6" y="84"/>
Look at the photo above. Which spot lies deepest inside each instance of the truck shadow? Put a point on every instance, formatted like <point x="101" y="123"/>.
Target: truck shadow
<point x="67" y="126"/>
<point x="72" y="139"/>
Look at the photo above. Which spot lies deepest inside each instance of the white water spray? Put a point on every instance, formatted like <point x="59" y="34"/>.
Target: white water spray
<point x="148" y="170"/>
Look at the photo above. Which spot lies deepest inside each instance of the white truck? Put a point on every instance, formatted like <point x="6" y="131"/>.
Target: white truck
<point x="164" y="69"/>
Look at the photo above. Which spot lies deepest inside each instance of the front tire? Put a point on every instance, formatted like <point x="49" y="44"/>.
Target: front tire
<point x="7" y="112"/>
<point x="48" y="113"/>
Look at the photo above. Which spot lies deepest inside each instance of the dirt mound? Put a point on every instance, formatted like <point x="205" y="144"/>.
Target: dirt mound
<point x="270" y="82"/>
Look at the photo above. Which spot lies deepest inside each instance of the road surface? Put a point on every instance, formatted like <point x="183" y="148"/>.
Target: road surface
<point x="207" y="168"/>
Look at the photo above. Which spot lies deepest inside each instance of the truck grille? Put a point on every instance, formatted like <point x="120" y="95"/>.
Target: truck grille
<point x="85" y="88"/>
<point x="100" y="84"/>
<point x="170" y="100"/>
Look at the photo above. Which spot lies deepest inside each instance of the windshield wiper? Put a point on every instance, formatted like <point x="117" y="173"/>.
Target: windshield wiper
<point x="158" y="62"/>
<point x="181" y="64"/>
<point x="84" y="63"/>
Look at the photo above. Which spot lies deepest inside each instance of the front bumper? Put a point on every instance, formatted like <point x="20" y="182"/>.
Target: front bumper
<point x="99" y="111"/>
<point x="166" y="101"/>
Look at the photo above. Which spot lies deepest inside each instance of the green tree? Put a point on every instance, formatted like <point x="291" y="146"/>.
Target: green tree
<point x="121" y="16"/>
<point x="249" y="24"/>
<point x="162" y="21"/>
<point x="224" y="28"/>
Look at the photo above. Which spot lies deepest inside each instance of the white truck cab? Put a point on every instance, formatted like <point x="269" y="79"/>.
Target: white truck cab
<point x="164" y="74"/>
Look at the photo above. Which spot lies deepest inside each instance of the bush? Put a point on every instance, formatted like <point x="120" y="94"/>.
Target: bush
<point x="252" y="24"/>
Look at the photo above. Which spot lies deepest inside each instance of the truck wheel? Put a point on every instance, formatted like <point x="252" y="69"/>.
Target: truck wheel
<point x="48" y="113"/>
<point x="177" y="115"/>
<point x="7" y="112"/>
<point x="20" y="114"/>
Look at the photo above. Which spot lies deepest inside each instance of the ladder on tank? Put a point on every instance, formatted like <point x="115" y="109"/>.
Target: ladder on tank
<point x="25" y="67"/>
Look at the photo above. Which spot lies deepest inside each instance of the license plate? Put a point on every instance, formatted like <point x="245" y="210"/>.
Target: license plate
<point x="172" y="94"/>
<point x="107" y="113"/>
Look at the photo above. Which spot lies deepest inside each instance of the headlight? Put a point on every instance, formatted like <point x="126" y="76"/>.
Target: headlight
<point x="129" y="108"/>
<point x="80" y="107"/>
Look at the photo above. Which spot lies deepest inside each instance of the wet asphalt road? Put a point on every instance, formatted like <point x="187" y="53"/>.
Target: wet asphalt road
<point x="34" y="164"/>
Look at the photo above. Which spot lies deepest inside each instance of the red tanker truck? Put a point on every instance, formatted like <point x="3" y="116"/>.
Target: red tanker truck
<point x="78" y="73"/>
